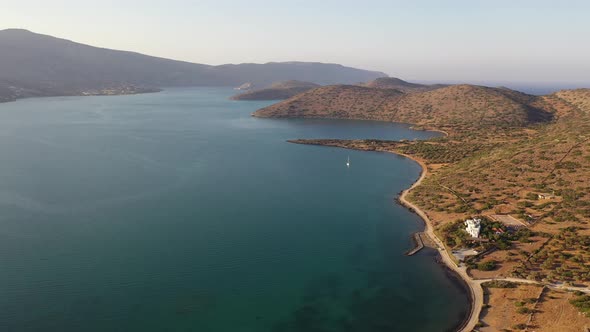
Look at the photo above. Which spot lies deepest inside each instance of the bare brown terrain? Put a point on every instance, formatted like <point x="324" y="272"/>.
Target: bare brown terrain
<point x="501" y="312"/>
<point x="554" y="312"/>
<point x="531" y="307"/>
<point x="506" y="153"/>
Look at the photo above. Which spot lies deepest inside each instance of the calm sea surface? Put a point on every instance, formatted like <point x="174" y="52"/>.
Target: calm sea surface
<point x="178" y="211"/>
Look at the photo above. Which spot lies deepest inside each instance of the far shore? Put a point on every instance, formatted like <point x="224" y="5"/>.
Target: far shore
<point x="91" y="93"/>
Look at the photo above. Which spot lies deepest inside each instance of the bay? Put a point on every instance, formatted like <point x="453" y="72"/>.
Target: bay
<point x="178" y="211"/>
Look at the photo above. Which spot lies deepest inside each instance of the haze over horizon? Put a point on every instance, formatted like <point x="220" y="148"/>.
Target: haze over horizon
<point x="528" y="41"/>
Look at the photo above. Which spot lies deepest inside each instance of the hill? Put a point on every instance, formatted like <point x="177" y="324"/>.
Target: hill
<point x="277" y="91"/>
<point x="579" y="98"/>
<point x="401" y="85"/>
<point x="448" y="108"/>
<point x="39" y="65"/>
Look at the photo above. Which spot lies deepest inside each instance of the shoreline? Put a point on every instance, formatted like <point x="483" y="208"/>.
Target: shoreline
<point x="475" y="291"/>
<point x="456" y="279"/>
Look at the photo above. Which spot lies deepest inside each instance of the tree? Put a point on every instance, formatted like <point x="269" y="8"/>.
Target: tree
<point x="487" y="266"/>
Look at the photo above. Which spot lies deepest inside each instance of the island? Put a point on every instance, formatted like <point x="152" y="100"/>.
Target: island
<point x="277" y="91"/>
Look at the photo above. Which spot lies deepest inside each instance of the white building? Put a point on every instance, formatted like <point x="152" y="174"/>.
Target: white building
<point x="473" y="226"/>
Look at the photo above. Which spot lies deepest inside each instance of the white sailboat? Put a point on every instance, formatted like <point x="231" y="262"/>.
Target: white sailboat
<point x="348" y="162"/>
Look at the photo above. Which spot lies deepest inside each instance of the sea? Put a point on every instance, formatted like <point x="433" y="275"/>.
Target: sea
<point x="179" y="211"/>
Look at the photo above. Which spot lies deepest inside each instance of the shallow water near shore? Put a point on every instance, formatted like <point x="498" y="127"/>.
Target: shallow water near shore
<point x="178" y="211"/>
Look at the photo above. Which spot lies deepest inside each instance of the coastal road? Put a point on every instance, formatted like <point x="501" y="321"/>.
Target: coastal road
<point x="557" y="286"/>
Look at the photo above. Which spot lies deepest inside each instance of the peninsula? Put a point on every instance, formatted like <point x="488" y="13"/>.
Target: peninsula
<point x="288" y="89"/>
<point x="518" y="163"/>
<point x="277" y="91"/>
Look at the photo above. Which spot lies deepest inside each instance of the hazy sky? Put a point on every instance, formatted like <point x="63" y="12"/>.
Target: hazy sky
<point x="517" y="40"/>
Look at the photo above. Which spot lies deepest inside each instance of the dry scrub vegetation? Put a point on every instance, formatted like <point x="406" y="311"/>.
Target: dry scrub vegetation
<point x="457" y="108"/>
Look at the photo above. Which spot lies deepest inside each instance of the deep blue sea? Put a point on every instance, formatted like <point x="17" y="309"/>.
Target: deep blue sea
<point x="178" y="211"/>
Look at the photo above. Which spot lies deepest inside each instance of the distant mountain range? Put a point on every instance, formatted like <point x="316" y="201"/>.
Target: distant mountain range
<point x="32" y="65"/>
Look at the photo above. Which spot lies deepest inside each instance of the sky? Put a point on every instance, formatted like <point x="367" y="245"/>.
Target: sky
<point x="421" y="40"/>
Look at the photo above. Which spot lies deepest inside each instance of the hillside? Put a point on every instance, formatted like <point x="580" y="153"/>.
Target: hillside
<point x="277" y="91"/>
<point x="336" y="101"/>
<point x="38" y="65"/>
<point x="448" y="108"/>
<point x="579" y="98"/>
<point x="401" y="85"/>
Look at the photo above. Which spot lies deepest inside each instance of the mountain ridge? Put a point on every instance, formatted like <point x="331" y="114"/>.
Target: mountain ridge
<point x="34" y="64"/>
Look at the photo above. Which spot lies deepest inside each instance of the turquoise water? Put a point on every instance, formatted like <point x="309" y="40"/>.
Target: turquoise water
<point x="178" y="211"/>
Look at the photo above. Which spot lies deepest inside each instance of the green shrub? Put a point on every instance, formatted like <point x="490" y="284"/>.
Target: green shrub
<point x="520" y="326"/>
<point x="487" y="266"/>
<point x="582" y="303"/>
<point x="524" y="310"/>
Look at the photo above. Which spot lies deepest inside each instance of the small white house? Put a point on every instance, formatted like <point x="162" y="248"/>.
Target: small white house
<point x="473" y="226"/>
